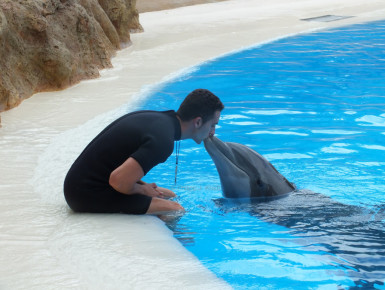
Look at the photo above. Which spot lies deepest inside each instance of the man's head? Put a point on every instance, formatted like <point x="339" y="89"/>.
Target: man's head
<point x="199" y="103"/>
<point x="201" y="110"/>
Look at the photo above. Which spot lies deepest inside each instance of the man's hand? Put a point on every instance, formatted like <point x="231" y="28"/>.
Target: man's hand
<point x="151" y="189"/>
<point x="166" y="193"/>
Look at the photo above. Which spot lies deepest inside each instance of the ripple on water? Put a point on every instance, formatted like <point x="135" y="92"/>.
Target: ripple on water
<point x="313" y="105"/>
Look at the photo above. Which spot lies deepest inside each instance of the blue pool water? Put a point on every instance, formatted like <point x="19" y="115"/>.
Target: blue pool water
<point x="314" y="106"/>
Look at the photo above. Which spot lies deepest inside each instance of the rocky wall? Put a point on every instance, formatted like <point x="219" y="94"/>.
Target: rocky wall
<point x="51" y="44"/>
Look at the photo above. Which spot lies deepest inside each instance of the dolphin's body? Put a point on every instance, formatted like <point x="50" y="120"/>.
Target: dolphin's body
<point x="244" y="173"/>
<point x="355" y="233"/>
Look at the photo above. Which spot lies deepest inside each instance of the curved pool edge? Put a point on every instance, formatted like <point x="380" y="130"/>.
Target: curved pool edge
<point x="139" y="250"/>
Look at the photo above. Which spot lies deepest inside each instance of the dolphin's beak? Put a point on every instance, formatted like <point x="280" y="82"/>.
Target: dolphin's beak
<point x="217" y="148"/>
<point x="211" y="140"/>
<point x="233" y="179"/>
<point x="209" y="143"/>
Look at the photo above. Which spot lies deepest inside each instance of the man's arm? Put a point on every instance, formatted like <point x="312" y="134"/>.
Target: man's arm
<point x="127" y="179"/>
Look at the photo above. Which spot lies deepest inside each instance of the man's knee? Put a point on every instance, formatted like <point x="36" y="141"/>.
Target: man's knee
<point x="162" y="205"/>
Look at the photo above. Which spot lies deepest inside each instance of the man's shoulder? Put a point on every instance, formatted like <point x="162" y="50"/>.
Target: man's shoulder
<point x="158" y="126"/>
<point x="150" y="112"/>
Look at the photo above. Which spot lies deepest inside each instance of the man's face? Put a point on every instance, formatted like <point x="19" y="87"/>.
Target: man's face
<point x="207" y="129"/>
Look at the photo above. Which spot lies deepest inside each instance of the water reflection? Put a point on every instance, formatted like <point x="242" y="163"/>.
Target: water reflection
<point x="313" y="104"/>
<point x="352" y="237"/>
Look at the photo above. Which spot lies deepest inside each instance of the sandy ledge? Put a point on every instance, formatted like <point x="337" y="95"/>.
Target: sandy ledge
<point x="157" y="5"/>
<point x="43" y="245"/>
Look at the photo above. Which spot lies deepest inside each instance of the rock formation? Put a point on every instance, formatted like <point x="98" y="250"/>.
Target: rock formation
<point x="52" y="44"/>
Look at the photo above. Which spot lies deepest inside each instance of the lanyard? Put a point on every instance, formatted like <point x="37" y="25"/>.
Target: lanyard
<point x="177" y="148"/>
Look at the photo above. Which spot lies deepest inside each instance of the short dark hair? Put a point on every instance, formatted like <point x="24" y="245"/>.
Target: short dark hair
<point x="199" y="103"/>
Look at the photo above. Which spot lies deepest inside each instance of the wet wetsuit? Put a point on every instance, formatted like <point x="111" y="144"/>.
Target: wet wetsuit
<point x="146" y="136"/>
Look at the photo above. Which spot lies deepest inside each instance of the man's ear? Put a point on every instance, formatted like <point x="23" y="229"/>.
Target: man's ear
<point x="198" y="122"/>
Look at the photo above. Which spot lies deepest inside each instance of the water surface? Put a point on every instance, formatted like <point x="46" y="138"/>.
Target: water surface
<point x="314" y="106"/>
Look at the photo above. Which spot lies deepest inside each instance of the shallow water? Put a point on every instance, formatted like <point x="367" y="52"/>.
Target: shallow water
<point x="313" y="105"/>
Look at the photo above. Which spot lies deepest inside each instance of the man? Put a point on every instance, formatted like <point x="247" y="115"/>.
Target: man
<point x="106" y="177"/>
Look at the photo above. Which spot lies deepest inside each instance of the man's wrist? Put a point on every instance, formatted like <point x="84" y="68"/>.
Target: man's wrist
<point x="137" y="188"/>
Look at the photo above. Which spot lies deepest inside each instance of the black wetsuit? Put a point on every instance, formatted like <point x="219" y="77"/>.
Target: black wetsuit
<point x="146" y="136"/>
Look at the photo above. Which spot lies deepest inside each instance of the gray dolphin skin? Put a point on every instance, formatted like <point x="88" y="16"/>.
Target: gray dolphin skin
<point x="244" y="173"/>
<point x="350" y="236"/>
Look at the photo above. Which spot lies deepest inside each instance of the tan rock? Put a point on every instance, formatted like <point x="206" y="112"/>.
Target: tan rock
<point x="52" y="44"/>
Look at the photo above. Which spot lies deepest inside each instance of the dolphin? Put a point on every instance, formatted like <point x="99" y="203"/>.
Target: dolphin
<point x="352" y="235"/>
<point x="244" y="173"/>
